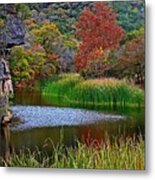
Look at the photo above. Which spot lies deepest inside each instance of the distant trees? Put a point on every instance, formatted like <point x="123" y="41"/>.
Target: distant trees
<point x="55" y="44"/>
<point x="99" y="33"/>
<point x="41" y="55"/>
<point x="48" y="35"/>
<point x="109" y="40"/>
<point x="131" y="59"/>
<point x="130" y="14"/>
<point x="23" y="10"/>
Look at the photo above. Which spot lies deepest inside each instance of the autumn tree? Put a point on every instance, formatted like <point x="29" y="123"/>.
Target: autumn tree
<point x="48" y="35"/>
<point x="130" y="62"/>
<point x="55" y="43"/>
<point x="26" y="64"/>
<point x="99" y="33"/>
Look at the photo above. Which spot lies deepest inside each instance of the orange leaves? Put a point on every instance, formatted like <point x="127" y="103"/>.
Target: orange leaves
<point x="99" y="52"/>
<point x="98" y="31"/>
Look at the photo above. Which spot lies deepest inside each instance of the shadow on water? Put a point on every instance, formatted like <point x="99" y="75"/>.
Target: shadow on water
<point x="30" y="138"/>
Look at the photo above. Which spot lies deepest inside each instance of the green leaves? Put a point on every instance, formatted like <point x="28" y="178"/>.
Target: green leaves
<point x="26" y="64"/>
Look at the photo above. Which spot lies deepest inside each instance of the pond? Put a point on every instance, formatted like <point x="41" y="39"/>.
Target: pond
<point x="45" y="117"/>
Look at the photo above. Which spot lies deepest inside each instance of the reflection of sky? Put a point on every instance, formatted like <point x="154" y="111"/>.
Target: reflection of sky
<point x="37" y="116"/>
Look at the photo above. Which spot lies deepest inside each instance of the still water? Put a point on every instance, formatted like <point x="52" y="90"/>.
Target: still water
<point x="48" y="117"/>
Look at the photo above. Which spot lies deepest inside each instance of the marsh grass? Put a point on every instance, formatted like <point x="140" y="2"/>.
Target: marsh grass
<point x="63" y="86"/>
<point x="123" y="153"/>
<point x="107" y="92"/>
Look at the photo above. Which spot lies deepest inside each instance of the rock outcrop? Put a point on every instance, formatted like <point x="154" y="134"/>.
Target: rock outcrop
<point x="11" y="34"/>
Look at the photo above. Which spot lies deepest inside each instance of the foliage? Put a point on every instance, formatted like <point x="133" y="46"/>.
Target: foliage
<point x="27" y="64"/>
<point x="1" y="23"/>
<point x="47" y="35"/>
<point x="133" y="35"/>
<point x="65" y="14"/>
<point x="96" y="68"/>
<point x="23" y="10"/>
<point x="131" y="59"/>
<point x="91" y="50"/>
<point x="124" y="153"/>
<point x="99" y="32"/>
<point x="130" y="14"/>
<point x="19" y="63"/>
<point x="61" y="45"/>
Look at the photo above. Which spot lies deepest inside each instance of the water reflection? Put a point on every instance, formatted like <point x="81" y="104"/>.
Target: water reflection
<point x="86" y="133"/>
<point x="45" y="116"/>
<point x="5" y="143"/>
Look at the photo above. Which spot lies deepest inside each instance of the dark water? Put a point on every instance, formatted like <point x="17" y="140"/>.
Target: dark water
<point x="46" y="117"/>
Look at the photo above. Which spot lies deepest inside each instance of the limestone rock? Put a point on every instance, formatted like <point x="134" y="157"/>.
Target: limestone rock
<point x="13" y="32"/>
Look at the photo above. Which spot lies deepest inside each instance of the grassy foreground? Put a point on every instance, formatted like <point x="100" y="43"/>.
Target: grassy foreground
<point x="112" y="92"/>
<point x="122" y="154"/>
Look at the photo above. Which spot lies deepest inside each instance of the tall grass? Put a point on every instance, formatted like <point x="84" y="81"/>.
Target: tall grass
<point x="62" y="87"/>
<point x="112" y="92"/>
<point x="122" y="154"/>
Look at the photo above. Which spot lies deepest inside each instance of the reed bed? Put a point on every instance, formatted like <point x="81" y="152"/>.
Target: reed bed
<point x="125" y="154"/>
<point x="63" y="86"/>
<point x="111" y="91"/>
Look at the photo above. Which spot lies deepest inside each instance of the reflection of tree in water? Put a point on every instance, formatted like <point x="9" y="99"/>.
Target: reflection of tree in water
<point x="5" y="146"/>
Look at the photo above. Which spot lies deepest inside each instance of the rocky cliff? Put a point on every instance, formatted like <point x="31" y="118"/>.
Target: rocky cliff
<point x="12" y="33"/>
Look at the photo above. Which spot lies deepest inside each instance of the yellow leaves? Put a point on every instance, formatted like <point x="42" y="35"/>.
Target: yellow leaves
<point x="50" y="26"/>
<point x="18" y="52"/>
<point x="72" y="43"/>
<point x="27" y="63"/>
<point x="1" y="23"/>
<point x="46" y="33"/>
<point x="47" y="28"/>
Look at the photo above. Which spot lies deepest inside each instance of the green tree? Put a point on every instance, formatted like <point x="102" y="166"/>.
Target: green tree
<point x="19" y="63"/>
<point x="26" y="65"/>
<point x="23" y="10"/>
<point x="48" y="35"/>
<point x="130" y="14"/>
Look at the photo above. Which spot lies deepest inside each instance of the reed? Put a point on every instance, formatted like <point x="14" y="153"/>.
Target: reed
<point x="63" y="86"/>
<point x="125" y="153"/>
<point x="108" y="91"/>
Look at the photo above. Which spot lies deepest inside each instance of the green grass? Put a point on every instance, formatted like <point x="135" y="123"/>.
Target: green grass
<point x="123" y="153"/>
<point x="62" y="86"/>
<point x="109" y="92"/>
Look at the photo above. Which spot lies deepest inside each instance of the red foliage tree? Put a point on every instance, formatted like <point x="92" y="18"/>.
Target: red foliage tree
<point x="98" y="30"/>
